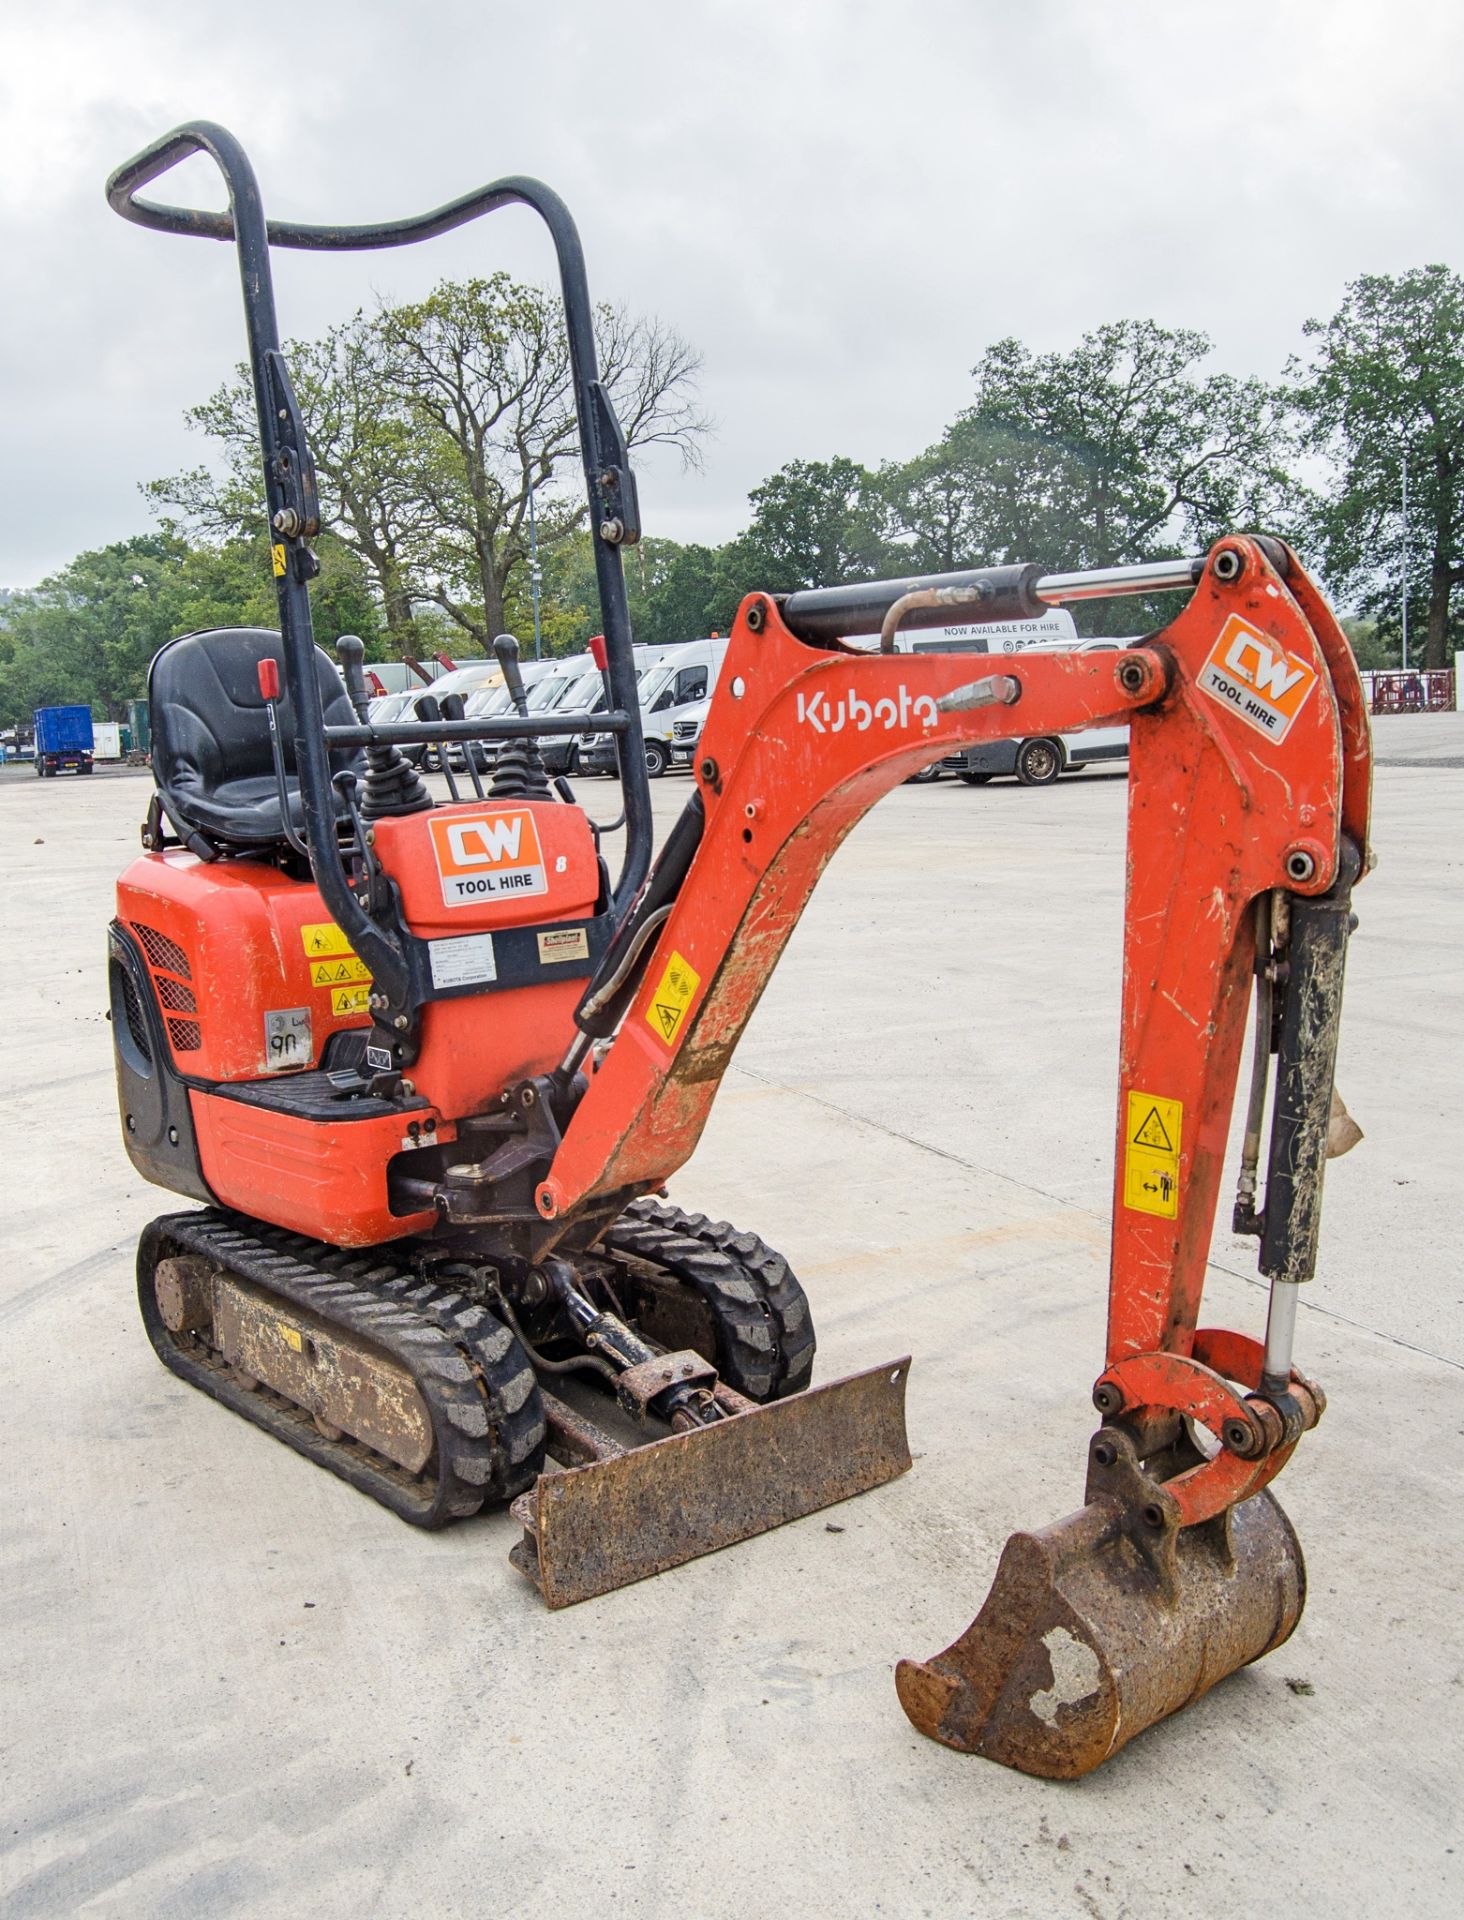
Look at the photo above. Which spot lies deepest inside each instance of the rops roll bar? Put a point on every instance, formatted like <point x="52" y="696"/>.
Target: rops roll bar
<point x="289" y="473"/>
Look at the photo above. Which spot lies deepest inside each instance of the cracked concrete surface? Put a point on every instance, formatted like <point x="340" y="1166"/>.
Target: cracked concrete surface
<point x="233" y="1686"/>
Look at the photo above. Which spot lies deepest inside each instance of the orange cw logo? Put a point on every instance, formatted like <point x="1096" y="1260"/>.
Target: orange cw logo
<point x="488" y="856"/>
<point x="1256" y="678"/>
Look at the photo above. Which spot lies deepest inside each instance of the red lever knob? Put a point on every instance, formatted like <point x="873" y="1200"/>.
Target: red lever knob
<point x="597" y="650"/>
<point x="269" y="679"/>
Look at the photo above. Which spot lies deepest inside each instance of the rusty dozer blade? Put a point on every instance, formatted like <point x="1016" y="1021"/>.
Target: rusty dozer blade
<point x="1105" y="1623"/>
<point x="637" y="1511"/>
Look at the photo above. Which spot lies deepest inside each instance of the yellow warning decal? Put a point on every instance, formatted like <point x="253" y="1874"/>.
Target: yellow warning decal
<point x="335" y="973"/>
<point x="352" y="999"/>
<point x="1152" y="1138"/>
<point x="324" y="938"/>
<point x="277" y="554"/>
<point x="672" y="997"/>
<point x="290" y="1335"/>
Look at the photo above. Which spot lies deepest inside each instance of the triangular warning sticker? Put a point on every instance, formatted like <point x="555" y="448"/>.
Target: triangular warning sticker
<point x="669" y="1017"/>
<point x="1152" y="1133"/>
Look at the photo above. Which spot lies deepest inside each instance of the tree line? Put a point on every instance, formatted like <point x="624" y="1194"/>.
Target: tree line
<point x="444" y="437"/>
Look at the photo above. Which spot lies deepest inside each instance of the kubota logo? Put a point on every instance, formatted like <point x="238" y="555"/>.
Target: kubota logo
<point x="825" y="716"/>
<point x="485" y="856"/>
<point x="1257" y="678"/>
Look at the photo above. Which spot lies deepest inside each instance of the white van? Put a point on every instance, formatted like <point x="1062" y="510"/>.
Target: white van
<point x="562" y="685"/>
<point x="674" y="689"/>
<point x="1036" y="760"/>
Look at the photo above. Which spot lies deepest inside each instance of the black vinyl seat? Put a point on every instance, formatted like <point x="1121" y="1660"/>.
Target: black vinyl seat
<point x="211" y="753"/>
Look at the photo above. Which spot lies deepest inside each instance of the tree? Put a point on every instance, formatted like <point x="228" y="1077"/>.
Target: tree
<point x="1385" y="381"/>
<point x="814" y="523"/>
<point x="675" y="593"/>
<point x="88" y="633"/>
<point x="374" y="496"/>
<point x="1117" y="451"/>
<point x="484" y="370"/>
<point x="430" y="423"/>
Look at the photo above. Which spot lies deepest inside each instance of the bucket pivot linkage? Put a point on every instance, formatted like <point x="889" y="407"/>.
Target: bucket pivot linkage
<point x="1181" y="1567"/>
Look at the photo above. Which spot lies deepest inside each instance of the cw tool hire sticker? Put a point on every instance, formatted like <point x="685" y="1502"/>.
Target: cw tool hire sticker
<point x="1256" y="678"/>
<point x="1151" y="1142"/>
<point x="488" y="856"/>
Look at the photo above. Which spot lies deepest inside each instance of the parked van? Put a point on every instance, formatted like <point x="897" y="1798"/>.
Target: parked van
<point x="567" y="684"/>
<point x="673" y="690"/>
<point x="1035" y="760"/>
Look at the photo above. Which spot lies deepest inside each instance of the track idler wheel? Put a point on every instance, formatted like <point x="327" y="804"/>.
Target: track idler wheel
<point x="1107" y="1622"/>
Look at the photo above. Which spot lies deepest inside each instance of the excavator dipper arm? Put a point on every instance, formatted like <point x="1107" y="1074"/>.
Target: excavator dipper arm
<point x="1248" y="797"/>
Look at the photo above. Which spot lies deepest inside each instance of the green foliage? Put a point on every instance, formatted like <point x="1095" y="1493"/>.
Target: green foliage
<point x="1371" y="647"/>
<point x="675" y="593"/>
<point x="1114" y="452"/>
<point x="87" y="634"/>
<point x="814" y="523"/>
<point x="431" y="422"/>
<point x="1386" y="379"/>
<point x="435" y="422"/>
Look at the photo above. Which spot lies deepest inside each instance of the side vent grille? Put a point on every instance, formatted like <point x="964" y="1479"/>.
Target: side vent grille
<point x="170" y="968"/>
<point x="163" y="952"/>
<point x="175" y="996"/>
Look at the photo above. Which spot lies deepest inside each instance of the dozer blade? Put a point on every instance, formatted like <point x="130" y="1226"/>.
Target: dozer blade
<point x="1089" y="1635"/>
<point x="590" y="1529"/>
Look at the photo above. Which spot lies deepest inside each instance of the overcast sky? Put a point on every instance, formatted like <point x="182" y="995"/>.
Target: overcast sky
<point x="840" y="204"/>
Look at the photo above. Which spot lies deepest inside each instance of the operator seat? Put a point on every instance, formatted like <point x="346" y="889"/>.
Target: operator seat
<point x="211" y="753"/>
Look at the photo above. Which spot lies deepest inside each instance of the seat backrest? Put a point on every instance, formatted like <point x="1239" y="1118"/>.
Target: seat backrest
<point x="211" y="752"/>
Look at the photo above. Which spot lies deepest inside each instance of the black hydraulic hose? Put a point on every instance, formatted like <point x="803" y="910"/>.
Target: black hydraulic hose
<point x="598" y="1017"/>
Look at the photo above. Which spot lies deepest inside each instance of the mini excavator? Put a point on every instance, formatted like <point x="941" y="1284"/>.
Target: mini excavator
<point x="427" y="1067"/>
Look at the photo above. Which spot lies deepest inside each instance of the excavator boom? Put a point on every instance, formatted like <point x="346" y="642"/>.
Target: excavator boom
<point x="1247" y="828"/>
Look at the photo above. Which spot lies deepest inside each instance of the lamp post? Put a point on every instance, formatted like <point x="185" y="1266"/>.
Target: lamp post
<point x="1405" y="559"/>
<point x="535" y="571"/>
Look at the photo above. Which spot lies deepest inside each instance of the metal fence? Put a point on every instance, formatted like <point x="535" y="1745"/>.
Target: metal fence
<point x="1412" y="692"/>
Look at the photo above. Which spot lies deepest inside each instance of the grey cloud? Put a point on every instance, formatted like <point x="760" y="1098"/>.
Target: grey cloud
<point x="840" y="204"/>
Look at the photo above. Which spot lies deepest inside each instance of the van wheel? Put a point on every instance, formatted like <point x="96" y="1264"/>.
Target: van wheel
<point x="932" y="772"/>
<point x="1039" y="762"/>
<point x="657" y="759"/>
<point x="975" y="779"/>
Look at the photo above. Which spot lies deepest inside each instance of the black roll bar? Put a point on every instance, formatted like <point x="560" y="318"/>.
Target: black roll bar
<point x="290" y="478"/>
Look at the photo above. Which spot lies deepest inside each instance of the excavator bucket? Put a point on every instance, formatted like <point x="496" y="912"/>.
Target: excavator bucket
<point x="629" y="1512"/>
<point x="1104" y="1623"/>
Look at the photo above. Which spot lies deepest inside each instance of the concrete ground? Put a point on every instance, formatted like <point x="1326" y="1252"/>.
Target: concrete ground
<point x="233" y="1686"/>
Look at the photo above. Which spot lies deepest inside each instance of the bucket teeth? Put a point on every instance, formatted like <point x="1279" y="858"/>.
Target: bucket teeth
<point x="1089" y="1635"/>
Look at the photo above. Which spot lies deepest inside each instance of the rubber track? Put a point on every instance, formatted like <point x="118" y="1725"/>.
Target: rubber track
<point x="473" y="1375"/>
<point x="760" y="1307"/>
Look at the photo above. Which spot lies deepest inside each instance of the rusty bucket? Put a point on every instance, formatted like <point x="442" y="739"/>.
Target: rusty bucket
<point x="1105" y="1623"/>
